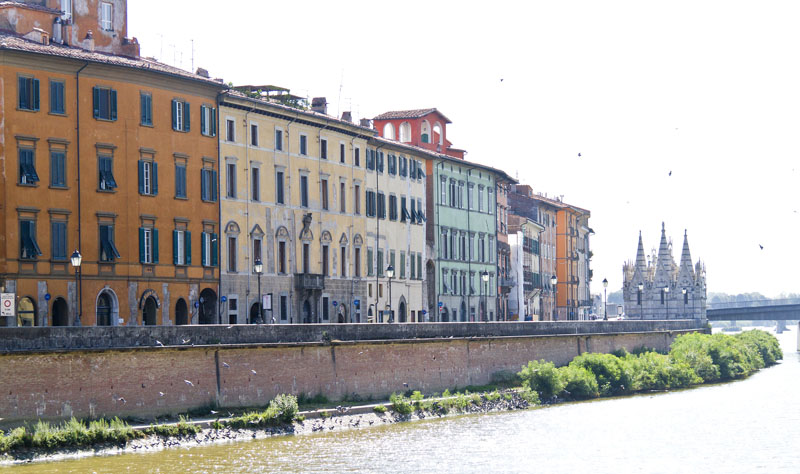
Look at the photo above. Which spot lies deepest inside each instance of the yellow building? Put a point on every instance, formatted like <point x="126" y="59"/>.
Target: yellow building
<point x="293" y="187"/>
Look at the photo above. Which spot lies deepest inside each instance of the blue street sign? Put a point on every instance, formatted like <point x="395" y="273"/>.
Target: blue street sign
<point x="196" y="304"/>
<point x="441" y="304"/>
<point x="335" y="304"/>
<point x="356" y="302"/>
<point x="424" y="312"/>
<point x="47" y="297"/>
<point x="223" y="298"/>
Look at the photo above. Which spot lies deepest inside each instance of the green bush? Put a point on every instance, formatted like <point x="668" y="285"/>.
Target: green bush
<point x="579" y="382"/>
<point x="401" y="404"/>
<point x="691" y="349"/>
<point x="612" y="376"/>
<point x="285" y="407"/>
<point x="542" y="377"/>
<point x="723" y="357"/>
<point x="379" y="409"/>
<point x="654" y="371"/>
<point x="282" y="409"/>
<point x="765" y="343"/>
<point x="529" y="396"/>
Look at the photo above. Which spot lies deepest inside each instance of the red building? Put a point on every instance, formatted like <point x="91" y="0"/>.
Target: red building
<point x="425" y="128"/>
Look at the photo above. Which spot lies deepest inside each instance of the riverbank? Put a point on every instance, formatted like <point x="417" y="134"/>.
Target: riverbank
<point x="694" y="359"/>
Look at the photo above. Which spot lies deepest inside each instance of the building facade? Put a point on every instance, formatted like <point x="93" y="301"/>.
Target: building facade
<point x="657" y="288"/>
<point x="506" y="279"/>
<point x="525" y="301"/>
<point x="88" y="138"/>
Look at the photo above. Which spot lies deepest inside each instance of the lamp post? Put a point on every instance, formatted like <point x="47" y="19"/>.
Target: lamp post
<point x="666" y="297"/>
<point x="485" y="278"/>
<point x="258" y="267"/>
<point x="76" y="259"/>
<point x="554" y="282"/>
<point x="390" y="275"/>
<point x="683" y="292"/>
<point x="641" y="290"/>
<point x="605" y="299"/>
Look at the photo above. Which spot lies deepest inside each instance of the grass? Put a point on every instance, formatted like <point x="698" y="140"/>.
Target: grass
<point x="71" y="433"/>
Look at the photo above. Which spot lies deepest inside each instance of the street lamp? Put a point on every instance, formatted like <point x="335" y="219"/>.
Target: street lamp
<point x="605" y="298"/>
<point x="666" y="297"/>
<point x="683" y="292"/>
<point x="390" y="275"/>
<point x="641" y="290"/>
<point x="485" y="278"/>
<point x="554" y="282"/>
<point x="76" y="259"/>
<point x="258" y="267"/>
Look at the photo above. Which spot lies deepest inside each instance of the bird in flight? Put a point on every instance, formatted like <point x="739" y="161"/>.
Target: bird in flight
<point x="159" y="343"/>
<point x="670" y="172"/>
<point x="160" y="394"/>
<point x="579" y="155"/>
<point x="225" y="364"/>
<point x="187" y="341"/>
<point x="189" y="383"/>
<point x="254" y="372"/>
<point x="123" y="400"/>
<point x="761" y="246"/>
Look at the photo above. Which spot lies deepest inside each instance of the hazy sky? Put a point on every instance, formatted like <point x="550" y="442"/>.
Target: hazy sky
<point x="709" y="91"/>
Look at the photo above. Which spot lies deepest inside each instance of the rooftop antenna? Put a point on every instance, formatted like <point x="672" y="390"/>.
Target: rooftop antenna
<point x="161" y="52"/>
<point x="339" y="99"/>
<point x="192" y="70"/>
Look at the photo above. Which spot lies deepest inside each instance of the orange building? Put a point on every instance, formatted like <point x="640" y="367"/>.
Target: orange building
<point x="571" y="303"/>
<point x="109" y="154"/>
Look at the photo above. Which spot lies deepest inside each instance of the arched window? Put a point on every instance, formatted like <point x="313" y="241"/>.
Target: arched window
<point x="388" y="131"/>
<point x="425" y="132"/>
<point x="405" y="132"/>
<point x="104" y="308"/>
<point x="181" y="313"/>
<point x="438" y="133"/>
<point x="26" y="312"/>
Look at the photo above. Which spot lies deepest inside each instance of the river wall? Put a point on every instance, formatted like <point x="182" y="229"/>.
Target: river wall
<point x="54" y="373"/>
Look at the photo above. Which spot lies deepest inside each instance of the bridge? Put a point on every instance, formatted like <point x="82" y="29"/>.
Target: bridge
<point x="758" y="310"/>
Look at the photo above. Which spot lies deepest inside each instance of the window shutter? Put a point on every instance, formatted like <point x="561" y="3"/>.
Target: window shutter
<point x="204" y="194"/>
<point x="174" y="247"/>
<point x="187" y="244"/>
<point x="155" y="245"/>
<point x="141" y="176"/>
<point x="213" y="122"/>
<point x="35" y="94"/>
<point x="154" y="178"/>
<point x="141" y="245"/>
<point x="203" y="127"/>
<point x="174" y="114"/>
<point x="22" y="96"/>
<point x="203" y="237"/>
<point x="214" y="247"/>
<point x="186" y="117"/>
<point x="96" y="101"/>
<point x="213" y="185"/>
<point x="112" y="103"/>
<point x="143" y="108"/>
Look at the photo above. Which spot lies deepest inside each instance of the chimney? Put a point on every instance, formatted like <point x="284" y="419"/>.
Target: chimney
<point x="319" y="105"/>
<point x="58" y="31"/>
<point x="202" y="73"/>
<point x="366" y="123"/>
<point x="89" y="40"/>
<point x="347" y="116"/>
<point x="38" y="35"/>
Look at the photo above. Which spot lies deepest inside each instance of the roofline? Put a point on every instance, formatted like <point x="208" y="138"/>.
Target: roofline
<point x="434" y="109"/>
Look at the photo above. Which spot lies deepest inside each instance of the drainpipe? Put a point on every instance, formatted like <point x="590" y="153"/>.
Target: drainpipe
<point x="219" y="208"/>
<point x="377" y="230"/>
<point x="78" y="149"/>
<point x="287" y="179"/>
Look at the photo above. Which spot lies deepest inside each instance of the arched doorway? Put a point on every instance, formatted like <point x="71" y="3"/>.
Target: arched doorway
<point x="401" y="312"/>
<point x="26" y="312"/>
<point x="105" y="305"/>
<point x="342" y="314"/>
<point x="445" y="315"/>
<point x="306" y="312"/>
<point x="60" y="312"/>
<point x="149" y="311"/>
<point x="463" y="312"/>
<point x="208" y="307"/>
<point x="181" y="313"/>
<point x="255" y="314"/>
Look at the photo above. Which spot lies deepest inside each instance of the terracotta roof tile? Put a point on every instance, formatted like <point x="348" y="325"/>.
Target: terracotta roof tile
<point x="410" y="114"/>
<point x="31" y="6"/>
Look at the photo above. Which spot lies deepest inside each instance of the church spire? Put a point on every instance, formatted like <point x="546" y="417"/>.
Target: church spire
<point x="641" y="264"/>
<point x="664" y="264"/>
<point x="686" y="272"/>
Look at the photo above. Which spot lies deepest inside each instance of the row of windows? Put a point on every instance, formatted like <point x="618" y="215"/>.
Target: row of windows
<point x="396" y="165"/>
<point x="453" y="195"/>
<point x="376" y="207"/>
<point x="107" y="249"/>
<point x="414" y="264"/>
<point x="458" y="245"/>
<point x="147" y="174"/>
<point x="104" y="105"/>
<point x="455" y="282"/>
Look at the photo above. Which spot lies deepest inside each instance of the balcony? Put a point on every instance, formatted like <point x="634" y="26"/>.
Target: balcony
<point x="507" y="282"/>
<point x="309" y="281"/>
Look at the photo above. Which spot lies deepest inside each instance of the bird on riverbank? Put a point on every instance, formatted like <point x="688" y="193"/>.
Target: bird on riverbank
<point x="122" y="400"/>
<point x="160" y="394"/>
<point x="254" y="372"/>
<point x="187" y="341"/>
<point x="159" y="343"/>
<point x="225" y="364"/>
<point x="189" y="383"/>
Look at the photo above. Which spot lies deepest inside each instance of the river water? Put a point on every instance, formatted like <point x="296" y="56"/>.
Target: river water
<point x="746" y="426"/>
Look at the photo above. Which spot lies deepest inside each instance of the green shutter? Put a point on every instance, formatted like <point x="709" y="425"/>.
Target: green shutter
<point x="174" y="247"/>
<point x="203" y="129"/>
<point x="35" y="94"/>
<point x="213" y="122"/>
<point x="203" y="237"/>
<point x="214" y="248"/>
<point x="155" y="245"/>
<point x="186" y="117"/>
<point x="141" y="245"/>
<point x="96" y="101"/>
<point x="187" y="243"/>
<point x="112" y="103"/>
<point x="213" y="186"/>
<point x="174" y="115"/>
<point x="154" y="178"/>
<point x="142" y="109"/>
<point x="140" y="166"/>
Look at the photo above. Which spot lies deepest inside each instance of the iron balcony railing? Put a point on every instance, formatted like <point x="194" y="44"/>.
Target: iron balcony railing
<point x="309" y="281"/>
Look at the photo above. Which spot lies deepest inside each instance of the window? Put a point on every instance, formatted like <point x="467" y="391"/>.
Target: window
<point x="370" y="203"/>
<point x="284" y="307"/>
<point x="27" y="167"/>
<point x="324" y="193"/>
<point x="181" y="247"/>
<point x="443" y="244"/>
<point x="443" y="190"/>
<point x="472" y="248"/>
<point x="491" y="249"/>
<point x="255" y="191"/>
<point x="370" y="159"/>
<point x="480" y="198"/>
<point x="104" y="101"/>
<point x="57" y="97"/>
<point x="58" y="240"/>
<point x="343" y="262"/>
<point x="404" y="210"/>
<point x="278" y="139"/>
<point x="481" y="248"/>
<point x="304" y="191"/>
<point x="208" y="121"/>
<point x="257" y="254"/>
<point x="420" y="213"/>
<point x="148" y="245"/>
<point x="180" y="180"/>
<point x="453" y="199"/>
<point x="342" y="202"/>
<point x="391" y="259"/>
<point x="209" y="246"/>
<point x="379" y="161"/>
<point x="403" y="167"/>
<point x="462" y="246"/>
<point x="357" y="157"/>
<point x="323" y="149"/>
<point x="208" y="185"/>
<point x="413" y="210"/>
<point x="357" y="261"/>
<point x="230" y="180"/>
<point x="489" y="200"/>
<point x="303" y="145"/>
<point x="461" y="195"/>
<point x="381" y="206"/>
<point x="453" y="254"/>
<point x="341" y="153"/>
<point x="282" y="257"/>
<point x="392" y="165"/>
<point x="106" y="11"/>
<point x="29" y="249"/>
<point x="392" y="207"/>
<point x="253" y="134"/>
<point x="325" y="260"/>
<point x="370" y="268"/>
<point x="470" y="192"/>
<point x="146" y="109"/>
<point x="232" y="254"/>
<point x="413" y="266"/>
<point x="419" y="266"/>
<point x="306" y="258"/>
<point x="106" y="165"/>
<point x="230" y="130"/>
<point x="356" y="199"/>
<point x="412" y="172"/>
<point x="180" y="116"/>
<point x="380" y="262"/>
<point x="58" y="178"/>
<point x="279" y="187"/>
<point x="148" y="178"/>
<point x="28" y="93"/>
<point x="402" y="264"/>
